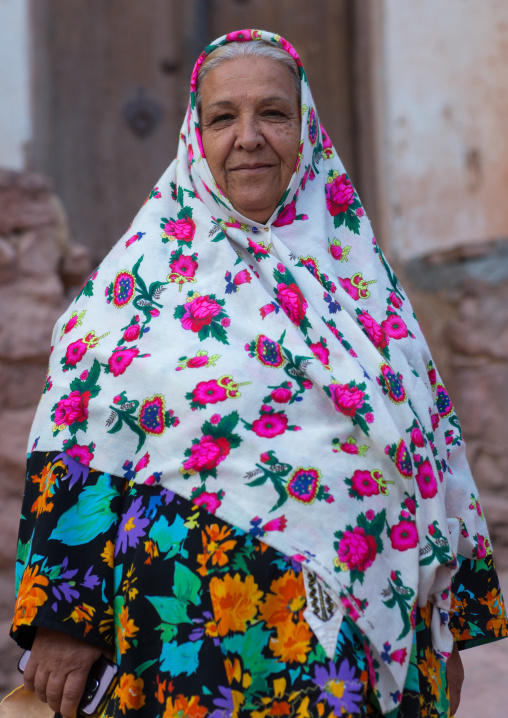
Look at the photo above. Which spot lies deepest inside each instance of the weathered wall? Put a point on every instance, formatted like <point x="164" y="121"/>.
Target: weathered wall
<point x="444" y="139"/>
<point x="15" y="120"/>
<point x="38" y="265"/>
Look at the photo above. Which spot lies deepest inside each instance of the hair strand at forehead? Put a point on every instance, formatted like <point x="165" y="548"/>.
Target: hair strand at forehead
<point x="256" y="48"/>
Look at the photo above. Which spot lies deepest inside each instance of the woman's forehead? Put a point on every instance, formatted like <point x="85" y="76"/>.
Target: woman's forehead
<point x="258" y="78"/>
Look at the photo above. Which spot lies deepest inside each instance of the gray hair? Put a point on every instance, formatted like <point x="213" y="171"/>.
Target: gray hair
<point x="256" y="48"/>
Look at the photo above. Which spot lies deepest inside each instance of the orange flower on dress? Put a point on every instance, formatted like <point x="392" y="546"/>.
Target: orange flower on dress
<point x="108" y="555"/>
<point x="130" y="692"/>
<point x="234" y="602"/>
<point x="183" y="707"/>
<point x="125" y="628"/>
<point x="152" y="551"/>
<point x="286" y="600"/>
<point x="30" y="596"/>
<point x="46" y="481"/>
<point x="214" y="547"/>
<point x="292" y="642"/>
<point x="432" y="668"/>
<point x="494" y="601"/>
<point x="85" y="613"/>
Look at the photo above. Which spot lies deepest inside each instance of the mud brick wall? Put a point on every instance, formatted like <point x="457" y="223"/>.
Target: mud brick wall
<point x="39" y="270"/>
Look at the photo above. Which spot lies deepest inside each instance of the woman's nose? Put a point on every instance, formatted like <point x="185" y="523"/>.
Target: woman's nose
<point x="248" y="135"/>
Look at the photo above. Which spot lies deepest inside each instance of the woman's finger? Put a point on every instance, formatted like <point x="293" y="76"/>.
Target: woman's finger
<point x="72" y="692"/>
<point x="54" y="690"/>
<point x="40" y="683"/>
<point x="29" y="674"/>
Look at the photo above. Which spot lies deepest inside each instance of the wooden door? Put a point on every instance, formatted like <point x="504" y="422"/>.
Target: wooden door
<point x="111" y="87"/>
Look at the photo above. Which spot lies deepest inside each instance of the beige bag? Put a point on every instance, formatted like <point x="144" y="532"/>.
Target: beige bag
<point x="21" y="703"/>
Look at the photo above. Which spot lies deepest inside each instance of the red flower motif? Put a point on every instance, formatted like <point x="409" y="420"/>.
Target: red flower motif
<point x="208" y="392"/>
<point x="200" y="312"/>
<point x="209" y="500"/>
<point x="281" y="395"/>
<point x="81" y="453"/>
<point x="426" y="480"/>
<point x="364" y="484"/>
<point x="417" y="437"/>
<point x="320" y="352"/>
<point x="121" y="359"/>
<point x="208" y="453"/>
<point x="339" y="195"/>
<point x="348" y="286"/>
<point x="404" y="535"/>
<point x="197" y="361"/>
<point x="375" y="332"/>
<point x="357" y="549"/>
<point x="185" y="265"/>
<point x="270" y="425"/>
<point x="182" y="229"/>
<point x="72" y="409"/>
<point x="394" y="326"/>
<point x="131" y="333"/>
<point x="75" y="352"/>
<point x="292" y="302"/>
<point x="347" y="399"/>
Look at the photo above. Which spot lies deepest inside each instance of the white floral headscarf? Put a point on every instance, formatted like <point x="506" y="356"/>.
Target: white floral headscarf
<point x="276" y="375"/>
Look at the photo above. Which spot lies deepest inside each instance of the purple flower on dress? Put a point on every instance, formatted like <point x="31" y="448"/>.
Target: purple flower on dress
<point x="132" y="527"/>
<point x="339" y="687"/>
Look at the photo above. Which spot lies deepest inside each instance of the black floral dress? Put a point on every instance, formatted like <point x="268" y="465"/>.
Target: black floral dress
<point x="206" y="620"/>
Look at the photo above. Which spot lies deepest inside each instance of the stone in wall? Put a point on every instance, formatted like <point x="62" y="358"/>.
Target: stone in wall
<point x="461" y="299"/>
<point x="40" y="269"/>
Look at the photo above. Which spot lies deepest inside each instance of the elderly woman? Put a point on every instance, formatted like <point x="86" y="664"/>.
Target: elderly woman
<point x="246" y="476"/>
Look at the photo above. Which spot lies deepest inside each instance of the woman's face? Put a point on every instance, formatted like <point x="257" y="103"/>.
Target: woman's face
<point x="250" y="125"/>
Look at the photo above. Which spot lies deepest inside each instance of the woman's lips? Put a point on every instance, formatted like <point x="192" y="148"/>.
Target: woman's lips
<point x="254" y="168"/>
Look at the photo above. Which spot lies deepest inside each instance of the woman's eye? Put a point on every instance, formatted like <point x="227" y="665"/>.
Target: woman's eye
<point x="222" y="118"/>
<point x="274" y="113"/>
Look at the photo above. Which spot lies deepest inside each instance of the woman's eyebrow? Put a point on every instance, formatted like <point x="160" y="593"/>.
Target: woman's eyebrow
<point x="265" y="100"/>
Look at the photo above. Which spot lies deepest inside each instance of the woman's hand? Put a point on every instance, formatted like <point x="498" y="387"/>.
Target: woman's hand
<point x="58" y="668"/>
<point x="455" y="677"/>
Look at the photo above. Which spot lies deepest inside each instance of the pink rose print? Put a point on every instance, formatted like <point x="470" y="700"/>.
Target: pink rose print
<point x="132" y="333"/>
<point x="270" y="425"/>
<point x="399" y="656"/>
<point x="207" y="454"/>
<point x="194" y="78"/>
<point x="288" y="215"/>
<point x="347" y="400"/>
<point x="432" y="374"/>
<point x="73" y="409"/>
<point x="375" y="332"/>
<point x="121" y="359"/>
<point x="184" y="265"/>
<point x="209" y="392"/>
<point x="395" y="300"/>
<point x="363" y="483"/>
<point x="481" y="550"/>
<point x="426" y="480"/>
<point x="348" y="286"/>
<point x="410" y="505"/>
<point x="394" y="326"/>
<point x="289" y="48"/>
<point x="199" y="313"/>
<point x="242" y="277"/>
<point x="182" y="229"/>
<point x="320" y="352"/>
<point x="417" y="437"/>
<point x="339" y="195"/>
<point x="278" y="524"/>
<point x="197" y="361"/>
<point x="404" y="535"/>
<point x="75" y="352"/>
<point x="281" y="395"/>
<point x="349" y="448"/>
<point x="336" y="251"/>
<point x="357" y="549"/>
<point x="80" y="453"/>
<point x="292" y="302"/>
<point x="209" y="500"/>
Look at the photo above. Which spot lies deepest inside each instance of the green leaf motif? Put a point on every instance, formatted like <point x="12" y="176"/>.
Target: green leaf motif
<point x="187" y="585"/>
<point x="168" y="538"/>
<point x="177" y="659"/>
<point x="171" y="610"/>
<point x="90" y="516"/>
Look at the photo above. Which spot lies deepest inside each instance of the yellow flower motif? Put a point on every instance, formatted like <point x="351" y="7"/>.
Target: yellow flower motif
<point x="130" y="692"/>
<point x="433" y="670"/>
<point x="285" y="600"/>
<point x="182" y="707"/>
<point x="108" y="555"/>
<point x="234" y="602"/>
<point x="215" y="547"/>
<point x="152" y="550"/>
<point x="46" y="481"/>
<point x="292" y="642"/>
<point x="30" y="596"/>
<point x="85" y="613"/>
<point x="125" y="628"/>
<point x="128" y="585"/>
